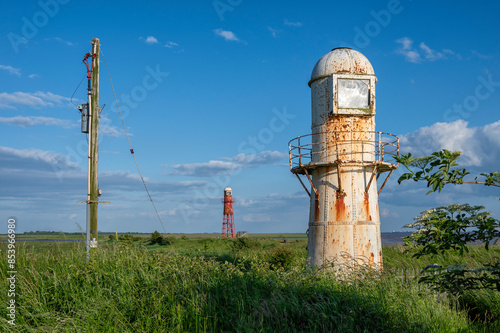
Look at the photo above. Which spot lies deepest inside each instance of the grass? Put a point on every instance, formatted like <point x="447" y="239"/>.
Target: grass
<point x="220" y="285"/>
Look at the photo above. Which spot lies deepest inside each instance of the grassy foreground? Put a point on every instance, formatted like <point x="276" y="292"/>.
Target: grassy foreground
<point x="217" y="285"/>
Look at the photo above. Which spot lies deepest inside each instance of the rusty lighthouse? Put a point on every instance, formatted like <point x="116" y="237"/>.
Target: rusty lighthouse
<point x="228" y="215"/>
<point x="342" y="160"/>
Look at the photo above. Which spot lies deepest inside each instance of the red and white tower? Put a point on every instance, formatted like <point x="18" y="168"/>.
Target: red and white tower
<point x="228" y="217"/>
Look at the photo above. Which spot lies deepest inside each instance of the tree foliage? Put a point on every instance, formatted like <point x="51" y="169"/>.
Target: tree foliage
<point x="441" y="168"/>
<point x="452" y="227"/>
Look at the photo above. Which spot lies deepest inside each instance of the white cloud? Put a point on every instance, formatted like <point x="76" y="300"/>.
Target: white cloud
<point x="22" y="121"/>
<point x="171" y="45"/>
<point x="11" y="70"/>
<point x="384" y="212"/>
<point x="227" y="35"/>
<point x="149" y="40"/>
<point x="205" y="169"/>
<point x="37" y="99"/>
<point x="433" y="55"/>
<point x="109" y="130"/>
<point x="406" y="50"/>
<point x="273" y="31"/>
<point x="257" y="218"/>
<point x="60" y="40"/>
<point x="23" y="158"/>
<point x="422" y="53"/>
<point x="479" y="55"/>
<point x="227" y="165"/>
<point x="480" y="146"/>
<point x="32" y="76"/>
<point x="264" y="157"/>
<point x="292" y="24"/>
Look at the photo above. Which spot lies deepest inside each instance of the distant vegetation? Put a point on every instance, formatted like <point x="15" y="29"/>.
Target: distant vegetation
<point x="186" y="284"/>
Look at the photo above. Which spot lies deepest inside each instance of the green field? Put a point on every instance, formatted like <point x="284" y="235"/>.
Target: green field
<point x="206" y="284"/>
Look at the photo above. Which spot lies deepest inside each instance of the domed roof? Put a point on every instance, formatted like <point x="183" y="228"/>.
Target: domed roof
<point x="341" y="60"/>
<point x="227" y="189"/>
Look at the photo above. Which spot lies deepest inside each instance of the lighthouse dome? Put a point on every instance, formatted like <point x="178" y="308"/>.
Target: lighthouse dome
<point x="341" y="60"/>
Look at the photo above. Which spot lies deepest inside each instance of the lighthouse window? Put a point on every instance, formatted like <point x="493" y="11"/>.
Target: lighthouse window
<point x="353" y="94"/>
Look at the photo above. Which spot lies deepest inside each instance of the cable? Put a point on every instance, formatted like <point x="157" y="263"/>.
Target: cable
<point x="71" y="100"/>
<point x="130" y="145"/>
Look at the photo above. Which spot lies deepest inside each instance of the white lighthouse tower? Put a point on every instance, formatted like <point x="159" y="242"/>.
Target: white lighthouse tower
<point x="342" y="159"/>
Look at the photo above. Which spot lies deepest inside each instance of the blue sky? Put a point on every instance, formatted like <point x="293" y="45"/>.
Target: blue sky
<point x="226" y="90"/>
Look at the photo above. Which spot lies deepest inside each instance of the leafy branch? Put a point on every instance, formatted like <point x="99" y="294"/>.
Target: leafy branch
<point x="453" y="227"/>
<point x="441" y="168"/>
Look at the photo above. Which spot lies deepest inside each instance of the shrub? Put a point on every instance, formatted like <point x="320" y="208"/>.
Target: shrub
<point x="168" y="240"/>
<point x="282" y="256"/>
<point x="245" y="243"/>
<point x="127" y="239"/>
<point x="156" y="238"/>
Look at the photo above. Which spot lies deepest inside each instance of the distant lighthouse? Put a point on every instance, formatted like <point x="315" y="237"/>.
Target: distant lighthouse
<point x="342" y="159"/>
<point x="228" y="216"/>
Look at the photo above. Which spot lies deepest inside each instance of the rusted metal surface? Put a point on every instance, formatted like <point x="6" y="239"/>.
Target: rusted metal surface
<point x="341" y="146"/>
<point x="228" y="229"/>
<point x="341" y="60"/>
<point x="342" y="160"/>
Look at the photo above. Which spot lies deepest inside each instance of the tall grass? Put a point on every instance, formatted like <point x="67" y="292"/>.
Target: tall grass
<point x="212" y="286"/>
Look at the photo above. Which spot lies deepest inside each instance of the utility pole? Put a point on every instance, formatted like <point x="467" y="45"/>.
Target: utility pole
<point x="90" y="124"/>
<point x="93" y="184"/>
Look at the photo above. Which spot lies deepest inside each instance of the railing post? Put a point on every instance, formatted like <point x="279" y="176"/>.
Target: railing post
<point x="300" y="154"/>
<point x="379" y="141"/>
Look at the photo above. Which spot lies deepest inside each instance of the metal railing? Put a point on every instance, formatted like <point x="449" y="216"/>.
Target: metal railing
<point x="326" y="148"/>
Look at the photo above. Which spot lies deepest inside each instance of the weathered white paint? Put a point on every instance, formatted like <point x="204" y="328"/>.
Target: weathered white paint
<point x="344" y="222"/>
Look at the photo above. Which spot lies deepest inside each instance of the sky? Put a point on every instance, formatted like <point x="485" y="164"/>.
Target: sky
<point x="212" y="91"/>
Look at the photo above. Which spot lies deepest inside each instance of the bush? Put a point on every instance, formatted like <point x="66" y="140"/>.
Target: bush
<point x="282" y="256"/>
<point x="128" y="239"/>
<point x="245" y="243"/>
<point x="156" y="238"/>
<point x="168" y="240"/>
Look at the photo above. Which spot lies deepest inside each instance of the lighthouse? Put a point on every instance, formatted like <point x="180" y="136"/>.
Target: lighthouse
<point x="228" y="216"/>
<point x="342" y="161"/>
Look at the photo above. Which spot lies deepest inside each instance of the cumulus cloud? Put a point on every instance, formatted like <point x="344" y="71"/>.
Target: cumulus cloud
<point x="420" y="54"/>
<point x="149" y="40"/>
<point x="227" y="35"/>
<point x="29" y="121"/>
<point x="31" y="172"/>
<point x="120" y="180"/>
<point x="292" y="24"/>
<point x="227" y="165"/>
<point x="36" y="159"/>
<point x="11" y="70"/>
<point x="480" y="146"/>
<point x="36" y="99"/>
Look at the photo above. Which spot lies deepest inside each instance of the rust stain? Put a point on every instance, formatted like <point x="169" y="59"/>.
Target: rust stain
<point x="366" y="207"/>
<point x="228" y="205"/>
<point x="340" y="211"/>
<point x="316" y="210"/>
